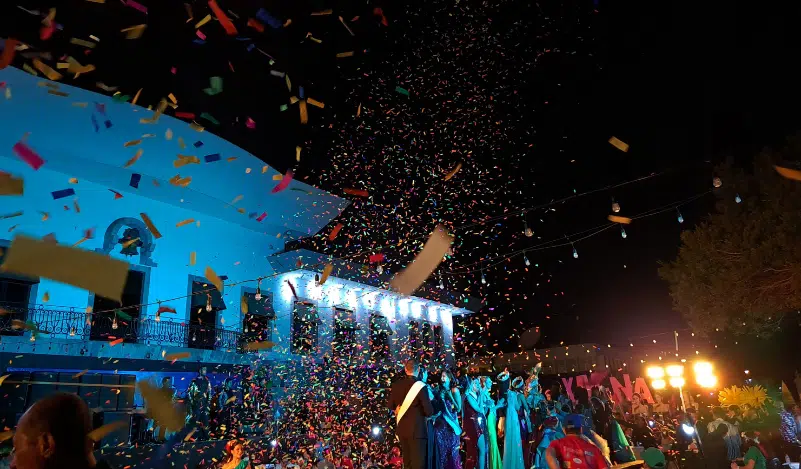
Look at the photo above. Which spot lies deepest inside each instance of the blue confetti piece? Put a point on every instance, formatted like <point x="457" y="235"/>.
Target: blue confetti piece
<point x="269" y="19"/>
<point x="63" y="193"/>
<point x="199" y="41"/>
<point x="212" y="158"/>
<point x="135" y="178"/>
<point x="108" y="124"/>
<point x="250" y="47"/>
<point x="95" y="124"/>
<point x="198" y="144"/>
<point x="301" y="92"/>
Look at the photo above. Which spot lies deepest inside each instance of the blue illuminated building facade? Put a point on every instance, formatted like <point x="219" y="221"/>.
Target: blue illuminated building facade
<point x="106" y="165"/>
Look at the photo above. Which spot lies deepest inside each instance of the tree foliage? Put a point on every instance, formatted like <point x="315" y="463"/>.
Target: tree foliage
<point x="740" y="270"/>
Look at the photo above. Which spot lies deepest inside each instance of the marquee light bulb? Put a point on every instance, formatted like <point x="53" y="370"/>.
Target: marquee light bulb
<point x="575" y="253"/>
<point x="525" y="259"/>
<point x="483" y="279"/>
<point x="679" y="218"/>
<point x="623" y="232"/>
<point x="615" y="207"/>
<point x="737" y="198"/>
<point x="716" y="182"/>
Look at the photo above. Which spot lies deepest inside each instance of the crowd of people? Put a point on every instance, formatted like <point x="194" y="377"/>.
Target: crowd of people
<point x="329" y="417"/>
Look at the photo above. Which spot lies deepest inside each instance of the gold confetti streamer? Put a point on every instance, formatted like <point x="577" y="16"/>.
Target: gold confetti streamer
<point x="617" y="219"/>
<point x="213" y="278"/>
<point x="619" y="144"/>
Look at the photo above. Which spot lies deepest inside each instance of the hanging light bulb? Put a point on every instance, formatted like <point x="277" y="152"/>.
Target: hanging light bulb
<point x="623" y="232"/>
<point x="33" y="338"/>
<point x="525" y="259"/>
<point x="194" y="338"/>
<point x="114" y="323"/>
<point x="483" y="279"/>
<point x="615" y="206"/>
<point x="575" y="253"/>
<point x="679" y="218"/>
<point x="72" y="332"/>
<point x="158" y="317"/>
<point x="527" y="231"/>
<point x="208" y="302"/>
<point x="441" y="284"/>
<point x="317" y="278"/>
<point x="257" y="296"/>
<point x="716" y="182"/>
<point x="379" y="269"/>
<point x="737" y="198"/>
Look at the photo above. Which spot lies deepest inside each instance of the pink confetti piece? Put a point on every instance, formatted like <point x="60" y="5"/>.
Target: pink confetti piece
<point x="35" y="161"/>
<point x="292" y="287"/>
<point x="284" y="182"/>
<point x="262" y="216"/>
<point x="251" y="124"/>
<point x="136" y="6"/>
<point x="200" y="34"/>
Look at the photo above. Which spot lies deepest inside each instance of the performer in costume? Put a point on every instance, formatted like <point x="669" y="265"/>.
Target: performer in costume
<point x="199" y="399"/>
<point x="475" y="427"/>
<point x="446" y="427"/>
<point x="492" y="422"/>
<point x="524" y="416"/>
<point x="512" y="442"/>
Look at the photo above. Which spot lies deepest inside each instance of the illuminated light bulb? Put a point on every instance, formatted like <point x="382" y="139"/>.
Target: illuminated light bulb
<point x="716" y="182"/>
<point x="376" y="430"/>
<point x="194" y="338"/>
<point x="525" y="259"/>
<point x="655" y="372"/>
<point x="158" y="318"/>
<point x="274" y="443"/>
<point x="688" y="429"/>
<point x="575" y="253"/>
<point x="483" y="279"/>
<point x="257" y="296"/>
<point x="114" y="323"/>
<point x="441" y="284"/>
<point x="737" y="198"/>
<point x="676" y="381"/>
<point x="527" y="231"/>
<point x="208" y="303"/>
<point x="615" y="207"/>
<point x="674" y="370"/>
<point x="623" y="232"/>
<point x="72" y="334"/>
<point x="680" y="218"/>
<point x="33" y="338"/>
<point x="379" y="269"/>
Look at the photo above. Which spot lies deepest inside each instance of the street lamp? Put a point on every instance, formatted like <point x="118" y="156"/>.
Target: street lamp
<point x="704" y="377"/>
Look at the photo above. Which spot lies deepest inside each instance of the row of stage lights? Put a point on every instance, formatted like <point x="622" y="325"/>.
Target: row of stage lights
<point x="704" y="375"/>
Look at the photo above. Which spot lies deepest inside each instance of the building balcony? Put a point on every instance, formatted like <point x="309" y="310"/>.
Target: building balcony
<point x="50" y="324"/>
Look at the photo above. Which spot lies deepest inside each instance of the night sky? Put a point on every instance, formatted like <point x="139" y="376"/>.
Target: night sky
<point x="525" y="95"/>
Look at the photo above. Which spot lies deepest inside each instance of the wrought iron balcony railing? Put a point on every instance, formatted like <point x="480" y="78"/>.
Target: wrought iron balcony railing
<point x="68" y="323"/>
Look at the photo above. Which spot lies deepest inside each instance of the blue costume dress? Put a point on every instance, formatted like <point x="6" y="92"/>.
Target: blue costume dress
<point x="512" y="441"/>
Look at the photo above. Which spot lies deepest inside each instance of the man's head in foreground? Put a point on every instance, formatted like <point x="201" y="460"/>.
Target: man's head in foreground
<point x="54" y="433"/>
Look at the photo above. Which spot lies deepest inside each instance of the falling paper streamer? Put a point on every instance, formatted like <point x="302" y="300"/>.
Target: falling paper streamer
<point x="243" y="305"/>
<point x="134" y="32"/>
<point x="619" y="144"/>
<point x="150" y="225"/>
<point x="226" y="23"/>
<point x="326" y="272"/>
<point x="793" y="174"/>
<point x="135" y="158"/>
<point x="132" y="143"/>
<point x="356" y="192"/>
<point x="177" y="356"/>
<point x="99" y="274"/>
<point x="6" y="435"/>
<point x="160" y="407"/>
<point x="79" y="374"/>
<point x="617" y="219"/>
<point x="284" y="182"/>
<point x="214" y="279"/>
<point x="424" y="264"/>
<point x="335" y="232"/>
<point x="453" y="172"/>
<point x="10" y="185"/>
<point x="27" y="155"/>
<point x="3" y="378"/>
<point x="254" y="346"/>
<point x="99" y="433"/>
<point x="184" y="222"/>
<point x="47" y="70"/>
<point x="8" y="53"/>
<point x="292" y="287"/>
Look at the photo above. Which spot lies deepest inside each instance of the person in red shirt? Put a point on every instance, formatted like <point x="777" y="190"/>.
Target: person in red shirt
<point x="574" y="451"/>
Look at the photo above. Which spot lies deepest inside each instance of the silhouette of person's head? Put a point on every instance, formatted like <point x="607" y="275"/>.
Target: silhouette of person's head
<point x="53" y="433"/>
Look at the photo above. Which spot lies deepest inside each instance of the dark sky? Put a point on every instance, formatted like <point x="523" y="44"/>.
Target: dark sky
<point x="523" y="94"/>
